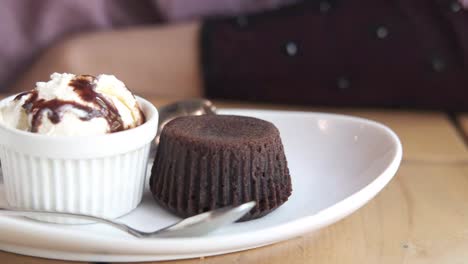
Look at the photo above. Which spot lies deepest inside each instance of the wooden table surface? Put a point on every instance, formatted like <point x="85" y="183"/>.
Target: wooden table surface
<point x="420" y="217"/>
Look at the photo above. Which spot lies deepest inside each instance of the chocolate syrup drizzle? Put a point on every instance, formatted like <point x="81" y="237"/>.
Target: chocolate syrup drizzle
<point x="84" y="86"/>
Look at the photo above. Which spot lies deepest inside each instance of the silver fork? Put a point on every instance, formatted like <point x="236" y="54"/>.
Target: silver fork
<point x="196" y="225"/>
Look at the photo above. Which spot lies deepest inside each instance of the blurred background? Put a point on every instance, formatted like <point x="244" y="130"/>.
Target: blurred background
<point x="368" y="53"/>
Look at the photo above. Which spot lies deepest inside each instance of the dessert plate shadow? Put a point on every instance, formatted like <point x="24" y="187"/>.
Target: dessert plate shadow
<point x="337" y="164"/>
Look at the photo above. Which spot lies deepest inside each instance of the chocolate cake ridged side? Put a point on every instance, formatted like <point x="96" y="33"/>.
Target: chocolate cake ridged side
<point x="194" y="179"/>
<point x="167" y="176"/>
<point x="270" y="182"/>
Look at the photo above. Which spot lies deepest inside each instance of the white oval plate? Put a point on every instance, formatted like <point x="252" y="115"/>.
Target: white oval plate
<point x="337" y="164"/>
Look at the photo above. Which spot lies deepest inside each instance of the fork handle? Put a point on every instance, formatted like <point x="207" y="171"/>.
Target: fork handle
<point x="32" y="213"/>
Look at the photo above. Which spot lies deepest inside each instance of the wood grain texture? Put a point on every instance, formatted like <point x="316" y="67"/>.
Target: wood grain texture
<point x="420" y="217"/>
<point x="11" y="258"/>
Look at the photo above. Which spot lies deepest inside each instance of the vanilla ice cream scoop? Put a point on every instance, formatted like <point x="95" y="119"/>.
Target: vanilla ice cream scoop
<point x="71" y="104"/>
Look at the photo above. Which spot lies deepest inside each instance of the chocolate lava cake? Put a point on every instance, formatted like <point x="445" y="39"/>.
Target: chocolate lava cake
<point x="210" y="161"/>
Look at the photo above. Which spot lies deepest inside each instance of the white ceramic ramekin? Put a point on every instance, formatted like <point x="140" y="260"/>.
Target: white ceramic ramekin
<point x="101" y="175"/>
